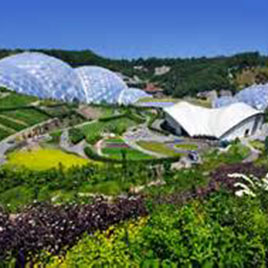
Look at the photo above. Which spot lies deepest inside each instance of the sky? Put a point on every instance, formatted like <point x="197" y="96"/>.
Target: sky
<point x="137" y="28"/>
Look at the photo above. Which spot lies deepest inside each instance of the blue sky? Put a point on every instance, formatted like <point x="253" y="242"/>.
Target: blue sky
<point x="137" y="28"/>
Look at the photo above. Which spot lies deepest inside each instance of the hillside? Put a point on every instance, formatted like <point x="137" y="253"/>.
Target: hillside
<point x="178" y="77"/>
<point x="250" y="76"/>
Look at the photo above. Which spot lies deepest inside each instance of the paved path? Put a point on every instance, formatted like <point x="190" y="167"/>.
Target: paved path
<point x="67" y="146"/>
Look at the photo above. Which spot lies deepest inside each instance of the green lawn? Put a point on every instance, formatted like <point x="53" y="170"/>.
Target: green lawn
<point x="16" y="100"/>
<point x="29" y="116"/>
<point x="4" y="133"/>
<point x="187" y="147"/>
<point x="11" y="124"/>
<point x="131" y="154"/>
<point x="158" y="147"/>
<point x="93" y="131"/>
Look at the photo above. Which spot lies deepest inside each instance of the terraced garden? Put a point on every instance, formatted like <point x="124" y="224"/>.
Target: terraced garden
<point x="19" y="119"/>
<point x="13" y="100"/>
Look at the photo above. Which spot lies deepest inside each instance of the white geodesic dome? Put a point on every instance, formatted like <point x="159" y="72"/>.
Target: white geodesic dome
<point x="132" y="95"/>
<point x="18" y="80"/>
<point x="58" y="80"/>
<point x="100" y="84"/>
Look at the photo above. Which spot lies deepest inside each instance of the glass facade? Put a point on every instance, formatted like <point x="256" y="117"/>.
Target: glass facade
<point x="100" y="85"/>
<point x="256" y="96"/>
<point x="44" y="76"/>
<point x="20" y="81"/>
<point x="132" y="95"/>
<point x="58" y="80"/>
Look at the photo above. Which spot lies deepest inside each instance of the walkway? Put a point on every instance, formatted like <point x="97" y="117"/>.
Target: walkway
<point x="67" y="146"/>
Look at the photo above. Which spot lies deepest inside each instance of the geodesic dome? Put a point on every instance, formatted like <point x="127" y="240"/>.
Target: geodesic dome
<point x="223" y="101"/>
<point x="20" y="81"/>
<point x="255" y="96"/>
<point x="100" y="85"/>
<point x="58" y="80"/>
<point x="132" y="95"/>
<point x="40" y="75"/>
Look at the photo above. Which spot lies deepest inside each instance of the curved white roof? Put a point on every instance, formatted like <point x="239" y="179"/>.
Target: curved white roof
<point x="200" y="121"/>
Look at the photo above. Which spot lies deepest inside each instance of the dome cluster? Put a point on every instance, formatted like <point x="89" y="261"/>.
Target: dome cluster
<point x="256" y="96"/>
<point x="40" y="75"/>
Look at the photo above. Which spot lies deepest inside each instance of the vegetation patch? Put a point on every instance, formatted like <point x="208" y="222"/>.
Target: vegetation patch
<point x="76" y="135"/>
<point x="94" y="131"/>
<point x="258" y="145"/>
<point x="42" y="159"/>
<point x="158" y="147"/>
<point x="187" y="147"/>
<point x="30" y="116"/>
<point x="14" y="100"/>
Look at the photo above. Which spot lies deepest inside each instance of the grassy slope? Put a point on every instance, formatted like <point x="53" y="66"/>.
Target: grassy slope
<point x="157" y="147"/>
<point x="118" y="126"/>
<point x="42" y="159"/>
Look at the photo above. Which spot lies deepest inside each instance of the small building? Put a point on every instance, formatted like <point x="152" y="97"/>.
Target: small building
<point x="154" y="90"/>
<point x="227" y="123"/>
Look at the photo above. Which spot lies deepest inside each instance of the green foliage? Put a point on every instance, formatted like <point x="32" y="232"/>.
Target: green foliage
<point x="131" y="154"/>
<point x="17" y="126"/>
<point x="55" y="137"/>
<point x="14" y="100"/>
<point x="93" y="131"/>
<point x="158" y="147"/>
<point x="221" y="231"/>
<point x="76" y="135"/>
<point x="236" y="153"/>
<point x="29" y="116"/>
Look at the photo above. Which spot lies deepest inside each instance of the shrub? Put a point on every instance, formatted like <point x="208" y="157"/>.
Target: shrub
<point x="48" y="228"/>
<point x="76" y="135"/>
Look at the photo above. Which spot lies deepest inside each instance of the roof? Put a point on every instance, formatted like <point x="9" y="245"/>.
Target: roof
<point x="200" y="121"/>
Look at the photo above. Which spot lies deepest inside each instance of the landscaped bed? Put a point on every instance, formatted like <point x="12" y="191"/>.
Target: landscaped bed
<point x="158" y="147"/>
<point x="115" y="148"/>
<point x="43" y="159"/>
<point x="93" y="131"/>
<point x="186" y="147"/>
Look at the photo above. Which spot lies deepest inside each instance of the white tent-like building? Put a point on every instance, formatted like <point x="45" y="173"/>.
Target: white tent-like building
<point x="227" y="123"/>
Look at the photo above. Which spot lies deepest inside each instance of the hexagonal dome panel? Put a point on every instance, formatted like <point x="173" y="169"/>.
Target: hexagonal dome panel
<point x="100" y="85"/>
<point x="57" y="78"/>
<point x="132" y="95"/>
<point x="18" y="80"/>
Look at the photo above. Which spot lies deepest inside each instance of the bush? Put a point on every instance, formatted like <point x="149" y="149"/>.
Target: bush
<point x="221" y="231"/>
<point x="47" y="228"/>
<point x="76" y="135"/>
